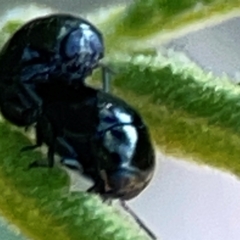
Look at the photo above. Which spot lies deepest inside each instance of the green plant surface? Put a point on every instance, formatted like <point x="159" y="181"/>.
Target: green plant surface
<point x="11" y="26"/>
<point x="8" y="29"/>
<point x="180" y="85"/>
<point x="39" y="202"/>
<point x="143" y="18"/>
<point x="180" y="134"/>
<point x="146" y="19"/>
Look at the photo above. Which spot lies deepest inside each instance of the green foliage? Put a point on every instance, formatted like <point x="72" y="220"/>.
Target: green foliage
<point x="11" y="26"/>
<point x="141" y="12"/>
<point x="178" y="133"/>
<point x="142" y="17"/>
<point x="182" y="86"/>
<point x="8" y="29"/>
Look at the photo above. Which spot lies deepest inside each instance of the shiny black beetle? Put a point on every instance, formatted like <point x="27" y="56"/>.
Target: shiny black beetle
<point x="100" y="135"/>
<point x="103" y="134"/>
<point x="58" y="48"/>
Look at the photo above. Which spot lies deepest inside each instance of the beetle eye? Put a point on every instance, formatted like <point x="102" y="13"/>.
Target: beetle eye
<point x="72" y="44"/>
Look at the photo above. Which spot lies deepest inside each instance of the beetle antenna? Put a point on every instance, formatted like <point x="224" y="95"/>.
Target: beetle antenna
<point x="138" y="220"/>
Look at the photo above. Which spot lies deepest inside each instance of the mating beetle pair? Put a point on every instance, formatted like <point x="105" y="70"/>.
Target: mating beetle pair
<point x="92" y="130"/>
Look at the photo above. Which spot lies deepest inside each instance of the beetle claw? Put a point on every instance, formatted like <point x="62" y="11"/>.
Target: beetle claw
<point x="26" y="129"/>
<point x="34" y="164"/>
<point x="96" y="188"/>
<point x="28" y="148"/>
<point x="39" y="164"/>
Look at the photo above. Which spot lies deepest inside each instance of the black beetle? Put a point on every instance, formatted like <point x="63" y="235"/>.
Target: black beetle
<point x="102" y="136"/>
<point x="104" y="133"/>
<point x="59" y="47"/>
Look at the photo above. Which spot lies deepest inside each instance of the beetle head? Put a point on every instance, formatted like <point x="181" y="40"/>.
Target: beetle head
<point x="126" y="183"/>
<point x="128" y="161"/>
<point x="82" y="49"/>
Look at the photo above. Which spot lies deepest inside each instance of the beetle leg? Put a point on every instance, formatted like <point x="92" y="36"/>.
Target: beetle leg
<point x="98" y="187"/>
<point x="28" y="90"/>
<point x="18" y="114"/>
<point x="72" y="160"/>
<point x="24" y="101"/>
<point x="41" y="163"/>
<point x="26" y="128"/>
<point x="50" y="154"/>
<point x="137" y="219"/>
<point x="72" y="163"/>
<point x="39" y="140"/>
<point x="28" y="148"/>
<point x="37" y="164"/>
<point x="67" y="147"/>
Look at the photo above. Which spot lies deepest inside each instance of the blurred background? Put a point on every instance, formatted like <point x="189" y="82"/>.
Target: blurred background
<point x="79" y="6"/>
